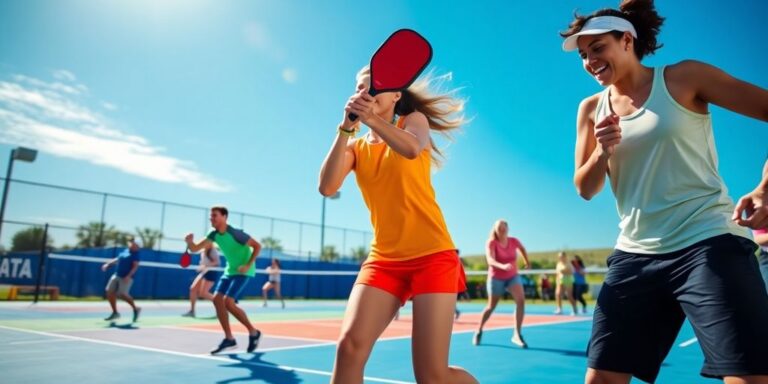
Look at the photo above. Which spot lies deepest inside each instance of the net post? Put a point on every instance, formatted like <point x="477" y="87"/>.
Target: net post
<point x="43" y="249"/>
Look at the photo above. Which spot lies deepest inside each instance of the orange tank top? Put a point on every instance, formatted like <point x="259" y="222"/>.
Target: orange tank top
<point x="407" y="222"/>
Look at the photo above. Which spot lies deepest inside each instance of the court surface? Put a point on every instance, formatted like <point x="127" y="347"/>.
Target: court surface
<point x="68" y="342"/>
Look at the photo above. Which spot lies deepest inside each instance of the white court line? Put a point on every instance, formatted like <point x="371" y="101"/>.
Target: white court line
<point x="688" y="342"/>
<point x="183" y="354"/>
<point x="26" y="342"/>
<point x="486" y="329"/>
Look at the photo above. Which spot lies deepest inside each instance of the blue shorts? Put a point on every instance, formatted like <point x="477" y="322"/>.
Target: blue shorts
<point x="211" y="275"/>
<point x="644" y="300"/>
<point x="497" y="287"/>
<point x="232" y="286"/>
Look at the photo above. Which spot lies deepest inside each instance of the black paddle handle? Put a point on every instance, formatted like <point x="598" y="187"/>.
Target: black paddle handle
<point x="352" y="116"/>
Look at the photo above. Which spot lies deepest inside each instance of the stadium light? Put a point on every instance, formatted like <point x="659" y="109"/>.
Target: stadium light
<point x="21" y="154"/>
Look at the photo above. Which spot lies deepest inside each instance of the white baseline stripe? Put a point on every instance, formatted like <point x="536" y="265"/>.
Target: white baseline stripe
<point x="183" y="354"/>
<point x="26" y="342"/>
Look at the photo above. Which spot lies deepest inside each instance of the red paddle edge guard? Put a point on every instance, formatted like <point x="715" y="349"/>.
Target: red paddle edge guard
<point x="373" y="90"/>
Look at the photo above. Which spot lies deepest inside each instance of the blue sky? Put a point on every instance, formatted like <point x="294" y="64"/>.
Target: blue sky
<point x="236" y="102"/>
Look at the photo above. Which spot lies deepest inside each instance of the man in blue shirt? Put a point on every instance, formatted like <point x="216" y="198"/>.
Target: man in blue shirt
<point x="119" y="284"/>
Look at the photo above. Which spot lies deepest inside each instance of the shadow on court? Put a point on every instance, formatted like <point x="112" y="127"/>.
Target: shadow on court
<point x="565" y="352"/>
<point x="261" y="371"/>
<point x="129" y="326"/>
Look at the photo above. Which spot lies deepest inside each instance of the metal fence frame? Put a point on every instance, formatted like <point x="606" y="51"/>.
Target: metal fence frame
<point x="164" y="204"/>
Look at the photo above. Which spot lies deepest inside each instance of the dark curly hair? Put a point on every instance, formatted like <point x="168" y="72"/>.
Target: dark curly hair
<point x="643" y="16"/>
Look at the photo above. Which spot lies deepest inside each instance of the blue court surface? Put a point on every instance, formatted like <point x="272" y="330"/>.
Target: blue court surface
<point x="68" y="342"/>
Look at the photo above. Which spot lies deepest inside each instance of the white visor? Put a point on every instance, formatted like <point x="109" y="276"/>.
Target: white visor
<point x="597" y="26"/>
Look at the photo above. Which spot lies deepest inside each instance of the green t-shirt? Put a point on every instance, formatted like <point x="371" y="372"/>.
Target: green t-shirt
<point x="234" y="246"/>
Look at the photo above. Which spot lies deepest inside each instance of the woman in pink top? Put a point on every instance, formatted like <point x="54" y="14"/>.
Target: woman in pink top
<point x="501" y="254"/>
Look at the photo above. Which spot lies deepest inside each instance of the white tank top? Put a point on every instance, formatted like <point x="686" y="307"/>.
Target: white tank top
<point x="664" y="175"/>
<point x="211" y="258"/>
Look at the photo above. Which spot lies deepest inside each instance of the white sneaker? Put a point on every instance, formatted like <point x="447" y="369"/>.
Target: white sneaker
<point x="518" y="340"/>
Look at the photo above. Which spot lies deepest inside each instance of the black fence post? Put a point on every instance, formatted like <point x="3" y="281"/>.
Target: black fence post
<point x="43" y="251"/>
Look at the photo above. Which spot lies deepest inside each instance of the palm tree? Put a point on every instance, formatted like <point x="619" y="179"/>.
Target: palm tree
<point x="97" y="234"/>
<point x="117" y="238"/>
<point x="149" y="236"/>
<point x="94" y="234"/>
<point x="271" y="243"/>
<point x="30" y="239"/>
<point x="359" y="253"/>
<point x="329" y="253"/>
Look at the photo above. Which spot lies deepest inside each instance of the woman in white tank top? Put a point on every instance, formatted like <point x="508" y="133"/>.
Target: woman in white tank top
<point x="203" y="282"/>
<point x="273" y="282"/>
<point x="684" y="249"/>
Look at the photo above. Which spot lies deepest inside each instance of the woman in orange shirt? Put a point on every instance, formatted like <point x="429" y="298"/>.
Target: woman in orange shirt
<point x="412" y="254"/>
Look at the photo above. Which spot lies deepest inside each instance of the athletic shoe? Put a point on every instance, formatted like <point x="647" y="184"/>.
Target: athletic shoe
<point x="456" y="315"/>
<point x="518" y="340"/>
<point x="225" y="344"/>
<point x="264" y="305"/>
<point x="113" y="316"/>
<point x="253" y="341"/>
<point x="189" y="314"/>
<point x="283" y="304"/>
<point x="136" y="313"/>
<point x="476" y="338"/>
<point x="558" y="311"/>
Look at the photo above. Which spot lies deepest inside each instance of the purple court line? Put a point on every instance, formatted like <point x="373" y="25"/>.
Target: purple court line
<point x="313" y="341"/>
<point x="326" y="343"/>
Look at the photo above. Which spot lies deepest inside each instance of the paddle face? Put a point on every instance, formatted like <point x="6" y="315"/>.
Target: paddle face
<point x="398" y="62"/>
<point x="186" y="259"/>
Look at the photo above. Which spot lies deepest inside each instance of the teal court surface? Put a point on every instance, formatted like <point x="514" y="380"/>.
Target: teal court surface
<point x="68" y="342"/>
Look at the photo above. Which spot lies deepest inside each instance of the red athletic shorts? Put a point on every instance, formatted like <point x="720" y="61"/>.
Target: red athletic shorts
<point x="440" y="272"/>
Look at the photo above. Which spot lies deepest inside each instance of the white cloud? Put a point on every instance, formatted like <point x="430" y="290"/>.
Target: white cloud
<point x="290" y="75"/>
<point x="109" y="106"/>
<point x="44" y="101"/>
<point x="64" y="75"/>
<point x="56" y="87"/>
<point x="38" y="114"/>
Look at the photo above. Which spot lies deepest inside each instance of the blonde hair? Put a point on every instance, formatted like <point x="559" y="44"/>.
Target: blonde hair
<point x="443" y="110"/>
<point x="495" y="230"/>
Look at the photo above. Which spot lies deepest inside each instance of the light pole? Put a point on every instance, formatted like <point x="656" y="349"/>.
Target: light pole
<point x="322" y="222"/>
<point x="20" y="153"/>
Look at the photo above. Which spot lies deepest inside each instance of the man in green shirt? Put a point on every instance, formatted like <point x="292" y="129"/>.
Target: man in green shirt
<point x="240" y="251"/>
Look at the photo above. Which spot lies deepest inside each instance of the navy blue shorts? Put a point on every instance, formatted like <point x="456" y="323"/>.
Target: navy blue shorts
<point x="644" y="300"/>
<point x="232" y="286"/>
<point x="764" y="266"/>
<point x="211" y="275"/>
